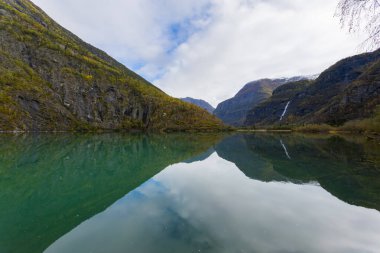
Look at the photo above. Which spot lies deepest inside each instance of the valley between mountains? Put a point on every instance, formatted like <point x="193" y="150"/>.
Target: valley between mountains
<point x="347" y="93"/>
<point x="51" y="80"/>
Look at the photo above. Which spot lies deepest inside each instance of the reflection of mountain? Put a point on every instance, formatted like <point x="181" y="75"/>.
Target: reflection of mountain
<point x="347" y="169"/>
<point x="211" y="206"/>
<point x="50" y="184"/>
<point x="235" y="149"/>
<point x="201" y="157"/>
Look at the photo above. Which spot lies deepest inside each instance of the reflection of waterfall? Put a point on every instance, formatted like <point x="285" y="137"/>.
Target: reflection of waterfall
<point x="286" y="108"/>
<point x="286" y="151"/>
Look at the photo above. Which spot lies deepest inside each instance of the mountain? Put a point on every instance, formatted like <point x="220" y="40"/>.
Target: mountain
<point x="201" y="103"/>
<point x="234" y="110"/>
<point x="270" y="111"/>
<point x="52" y="80"/>
<point x="348" y="90"/>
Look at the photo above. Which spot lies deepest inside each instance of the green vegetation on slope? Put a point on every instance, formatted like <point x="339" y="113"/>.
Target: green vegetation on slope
<point x="52" y="80"/>
<point x="367" y="125"/>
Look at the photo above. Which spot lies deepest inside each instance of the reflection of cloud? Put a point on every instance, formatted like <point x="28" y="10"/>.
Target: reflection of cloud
<point x="211" y="206"/>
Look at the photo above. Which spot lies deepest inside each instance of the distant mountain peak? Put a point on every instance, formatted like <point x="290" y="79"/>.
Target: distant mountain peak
<point x="234" y="110"/>
<point x="300" y="78"/>
<point x="346" y="91"/>
<point x="201" y="103"/>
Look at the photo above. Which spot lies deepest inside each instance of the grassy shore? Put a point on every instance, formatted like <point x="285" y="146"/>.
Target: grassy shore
<point x="369" y="125"/>
<point x="363" y="126"/>
<point x="356" y="127"/>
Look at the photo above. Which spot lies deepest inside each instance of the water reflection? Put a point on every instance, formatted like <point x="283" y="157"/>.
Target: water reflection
<point x="211" y="206"/>
<point x="348" y="168"/>
<point x="49" y="184"/>
<point x="242" y="193"/>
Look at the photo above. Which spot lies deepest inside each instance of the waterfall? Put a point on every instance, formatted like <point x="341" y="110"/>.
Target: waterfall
<point x="286" y="108"/>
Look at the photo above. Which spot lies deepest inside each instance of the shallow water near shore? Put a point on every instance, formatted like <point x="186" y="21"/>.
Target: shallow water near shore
<point x="136" y="193"/>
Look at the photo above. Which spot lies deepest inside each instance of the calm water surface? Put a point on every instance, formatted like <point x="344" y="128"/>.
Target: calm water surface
<point x="189" y="193"/>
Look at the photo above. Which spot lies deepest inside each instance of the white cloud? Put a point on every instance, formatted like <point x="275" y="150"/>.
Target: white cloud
<point x="248" y="42"/>
<point x="210" y="48"/>
<point x="134" y="32"/>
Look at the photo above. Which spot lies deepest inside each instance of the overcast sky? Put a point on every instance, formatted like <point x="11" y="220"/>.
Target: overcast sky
<point x="210" y="48"/>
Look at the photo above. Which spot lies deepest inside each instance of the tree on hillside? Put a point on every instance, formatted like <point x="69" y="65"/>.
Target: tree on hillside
<point x="359" y="15"/>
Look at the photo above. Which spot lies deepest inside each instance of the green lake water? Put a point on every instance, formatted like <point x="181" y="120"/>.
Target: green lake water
<point x="180" y="193"/>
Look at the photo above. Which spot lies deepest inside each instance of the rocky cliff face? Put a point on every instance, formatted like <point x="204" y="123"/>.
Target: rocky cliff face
<point x="357" y="101"/>
<point x="201" y="103"/>
<point x="52" y="80"/>
<point x="234" y="111"/>
<point x="270" y="111"/>
<point x="348" y="90"/>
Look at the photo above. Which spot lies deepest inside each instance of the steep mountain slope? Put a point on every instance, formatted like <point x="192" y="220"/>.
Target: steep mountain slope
<point x="348" y="90"/>
<point x="270" y="111"/>
<point x="52" y="80"/>
<point x="201" y="103"/>
<point x="234" y="111"/>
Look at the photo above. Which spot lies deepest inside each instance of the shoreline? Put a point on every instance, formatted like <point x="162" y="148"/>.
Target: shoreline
<point x="231" y="130"/>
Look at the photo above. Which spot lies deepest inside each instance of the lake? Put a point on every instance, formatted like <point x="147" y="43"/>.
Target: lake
<point x="184" y="193"/>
